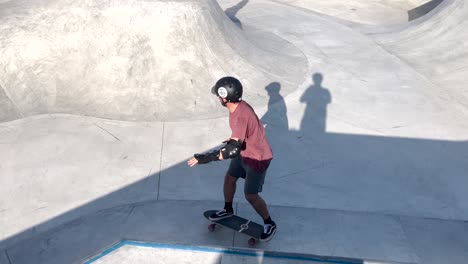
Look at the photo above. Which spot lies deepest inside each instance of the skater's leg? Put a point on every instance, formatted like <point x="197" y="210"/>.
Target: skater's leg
<point x="269" y="227"/>
<point x="253" y="186"/>
<point x="234" y="172"/>
<point x="258" y="204"/>
<point x="229" y="188"/>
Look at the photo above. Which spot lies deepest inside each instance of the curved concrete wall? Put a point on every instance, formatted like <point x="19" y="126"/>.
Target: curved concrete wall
<point x="372" y="12"/>
<point x="436" y="46"/>
<point x="131" y="60"/>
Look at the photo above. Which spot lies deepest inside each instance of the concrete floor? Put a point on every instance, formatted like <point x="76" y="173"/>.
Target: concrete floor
<point x="367" y="125"/>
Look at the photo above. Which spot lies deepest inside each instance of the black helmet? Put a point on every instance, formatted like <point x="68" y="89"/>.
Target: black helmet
<point x="229" y="88"/>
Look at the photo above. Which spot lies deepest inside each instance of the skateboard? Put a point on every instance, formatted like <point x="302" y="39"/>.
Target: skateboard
<point x="239" y="224"/>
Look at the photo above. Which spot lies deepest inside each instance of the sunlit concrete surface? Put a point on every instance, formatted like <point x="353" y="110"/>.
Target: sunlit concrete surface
<point x="435" y="49"/>
<point x="150" y="255"/>
<point x="105" y="59"/>
<point x="102" y="103"/>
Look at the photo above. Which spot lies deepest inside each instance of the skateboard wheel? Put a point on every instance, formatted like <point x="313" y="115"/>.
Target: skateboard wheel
<point x="252" y="242"/>
<point x="212" y="227"/>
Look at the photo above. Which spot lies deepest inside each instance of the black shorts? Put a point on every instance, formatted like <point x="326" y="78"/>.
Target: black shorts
<point x="254" y="179"/>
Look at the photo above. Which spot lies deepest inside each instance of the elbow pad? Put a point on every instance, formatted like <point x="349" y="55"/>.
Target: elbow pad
<point x="232" y="149"/>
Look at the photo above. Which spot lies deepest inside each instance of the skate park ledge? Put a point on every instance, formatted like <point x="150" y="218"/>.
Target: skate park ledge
<point x="249" y="255"/>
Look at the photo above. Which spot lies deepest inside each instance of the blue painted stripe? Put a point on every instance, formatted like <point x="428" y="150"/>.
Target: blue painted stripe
<point x="214" y="250"/>
<point x="105" y="253"/>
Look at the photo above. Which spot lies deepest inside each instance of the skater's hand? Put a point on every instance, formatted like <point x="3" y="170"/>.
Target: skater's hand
<point x="192" y="162"/>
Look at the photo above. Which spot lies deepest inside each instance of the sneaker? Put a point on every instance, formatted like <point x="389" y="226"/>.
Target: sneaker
<point x="269" y="231"/>
<point x="221" y="215"/>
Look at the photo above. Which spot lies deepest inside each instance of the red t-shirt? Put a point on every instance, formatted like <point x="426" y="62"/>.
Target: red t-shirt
<point x="246" y="126"/>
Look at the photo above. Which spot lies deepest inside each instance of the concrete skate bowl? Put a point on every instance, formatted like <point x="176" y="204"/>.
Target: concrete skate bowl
<point x="133" y="60"/>
<point x="374" y="12"/>
<point x="435" y="46"/>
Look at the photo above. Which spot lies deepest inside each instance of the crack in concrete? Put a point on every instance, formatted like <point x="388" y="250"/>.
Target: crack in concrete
<point x="160" y="160"/>
<point x="132" y="208"/>
<point x="107" y="132"/>
<point x="320" y="166"/>
<point x="8" y="257"/>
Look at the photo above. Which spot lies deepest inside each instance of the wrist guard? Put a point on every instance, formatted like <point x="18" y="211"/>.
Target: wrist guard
<point x="207" y="157"/>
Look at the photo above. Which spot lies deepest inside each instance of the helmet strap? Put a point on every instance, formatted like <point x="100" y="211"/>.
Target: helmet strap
<point x="222" y="102"/>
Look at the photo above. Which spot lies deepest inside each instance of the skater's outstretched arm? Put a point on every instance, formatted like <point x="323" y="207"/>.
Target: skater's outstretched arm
<point x="230" y="150"/>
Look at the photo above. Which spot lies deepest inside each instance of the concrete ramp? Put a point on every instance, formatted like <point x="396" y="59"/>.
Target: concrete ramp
<point x="435" y="46"/>
<point x="132" y="60"/>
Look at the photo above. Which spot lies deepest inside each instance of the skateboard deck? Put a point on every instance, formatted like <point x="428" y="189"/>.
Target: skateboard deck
<point x="238" y="224"/>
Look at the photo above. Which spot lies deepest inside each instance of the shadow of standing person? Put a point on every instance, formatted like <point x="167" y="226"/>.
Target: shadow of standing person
<point x="316" y="99"/>
<point x="276" y="114"/>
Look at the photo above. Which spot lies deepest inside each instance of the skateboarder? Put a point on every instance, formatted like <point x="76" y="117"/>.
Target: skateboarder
<point x="249" y="151"/>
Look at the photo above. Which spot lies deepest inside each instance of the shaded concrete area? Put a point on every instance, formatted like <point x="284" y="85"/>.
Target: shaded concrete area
<point x="4" y="258"/>
<point x="330" y="233"/>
